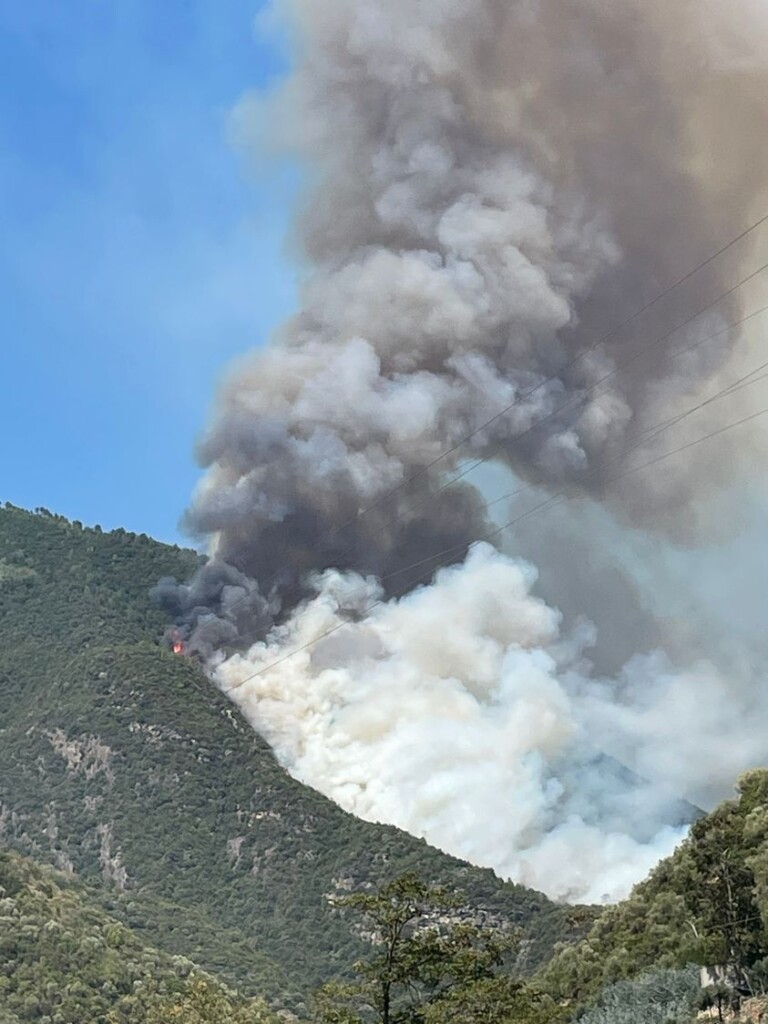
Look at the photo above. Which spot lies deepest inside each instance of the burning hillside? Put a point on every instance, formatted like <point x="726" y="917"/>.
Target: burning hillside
<point x="530" y="236"/>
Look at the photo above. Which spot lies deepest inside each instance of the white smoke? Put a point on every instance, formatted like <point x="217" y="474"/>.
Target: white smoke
<point x="496" y="184"/>
<point x="454" y="713"/>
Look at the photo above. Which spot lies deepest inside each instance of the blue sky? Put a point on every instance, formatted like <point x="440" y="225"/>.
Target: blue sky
<point x="138" y="252"/>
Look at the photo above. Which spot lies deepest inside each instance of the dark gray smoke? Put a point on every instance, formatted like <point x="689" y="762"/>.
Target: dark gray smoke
<point x="497" y="185"/>
<point x="216" y="608"/>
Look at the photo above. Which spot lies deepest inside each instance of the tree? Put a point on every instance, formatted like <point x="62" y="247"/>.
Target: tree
<point x="338" y="1003"/>
<point x="205" y="1002"/>
<point x="720" y="997"/>
<point x="722" y="895"/>
<point x="659" y="997"/>
<point x="493" y="1001"/>
<point x="424" y="953"/>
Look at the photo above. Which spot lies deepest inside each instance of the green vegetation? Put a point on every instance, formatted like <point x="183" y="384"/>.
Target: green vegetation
<point x="661" y="997"/>
<point x="707" y="904"/>
<point x="123" y="766"/>
<point x="205" y="1002"/>
<point x="179" y="840"/>
<point x="430" y="963"/>
<point x="64" y="961"/>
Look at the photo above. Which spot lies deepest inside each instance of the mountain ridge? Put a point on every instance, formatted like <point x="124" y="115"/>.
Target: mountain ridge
<point x="124" y="765"/>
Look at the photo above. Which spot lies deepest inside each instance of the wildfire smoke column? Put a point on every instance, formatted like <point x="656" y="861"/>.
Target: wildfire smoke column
<point x="496" y="182"/>
<point x="496" y="185"/>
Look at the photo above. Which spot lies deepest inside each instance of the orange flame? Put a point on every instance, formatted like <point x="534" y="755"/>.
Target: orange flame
<point x="178" y="647"/>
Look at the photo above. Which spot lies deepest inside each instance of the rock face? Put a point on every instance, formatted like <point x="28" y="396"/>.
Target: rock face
<point x="122" y="764"/>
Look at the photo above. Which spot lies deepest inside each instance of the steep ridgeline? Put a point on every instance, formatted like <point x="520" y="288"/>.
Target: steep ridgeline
<point x="122" y="764"/>
<point x="707" y="904"/>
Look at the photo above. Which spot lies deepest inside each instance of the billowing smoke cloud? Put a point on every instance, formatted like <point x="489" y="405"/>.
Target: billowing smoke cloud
<point x="455" y="713"/>
<point x="497" y="185"/>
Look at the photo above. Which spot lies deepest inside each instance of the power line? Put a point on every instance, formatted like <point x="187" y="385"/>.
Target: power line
<point x="548" y="504"/>
<point x="657" y="428"/>
<point x="645" y="436"/>
<point x="576" y="359"/>
<point x="593" y="387"/>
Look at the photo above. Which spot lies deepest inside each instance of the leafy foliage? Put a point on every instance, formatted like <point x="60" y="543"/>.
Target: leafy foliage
<point x="64" y="961"/>
<point x="706" y="904"/>
<point x="428" y="964"/>
<point x="661" y="997"/>
<point x="122" y="765"/>
<point x="205" y="1002"/>
<point x="494" y="1001"/>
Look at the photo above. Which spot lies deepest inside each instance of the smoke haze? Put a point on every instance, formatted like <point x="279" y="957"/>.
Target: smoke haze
<point x="496" y="186"/>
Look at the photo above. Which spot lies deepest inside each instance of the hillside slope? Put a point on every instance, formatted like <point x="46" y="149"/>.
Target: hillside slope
<point x="63" y="959"/>
<point x="706" y="904"/>
<point x="121" y="763"/>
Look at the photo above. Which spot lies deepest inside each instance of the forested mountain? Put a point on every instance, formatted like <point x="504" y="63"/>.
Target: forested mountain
<point x="178" y="838"/>
<point x="64" y="959"/>
<point x="122" y="765"/>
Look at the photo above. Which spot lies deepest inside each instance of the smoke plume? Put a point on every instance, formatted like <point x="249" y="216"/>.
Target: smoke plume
<point x="454" y="713"/>
<point x="496" y="185"/>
